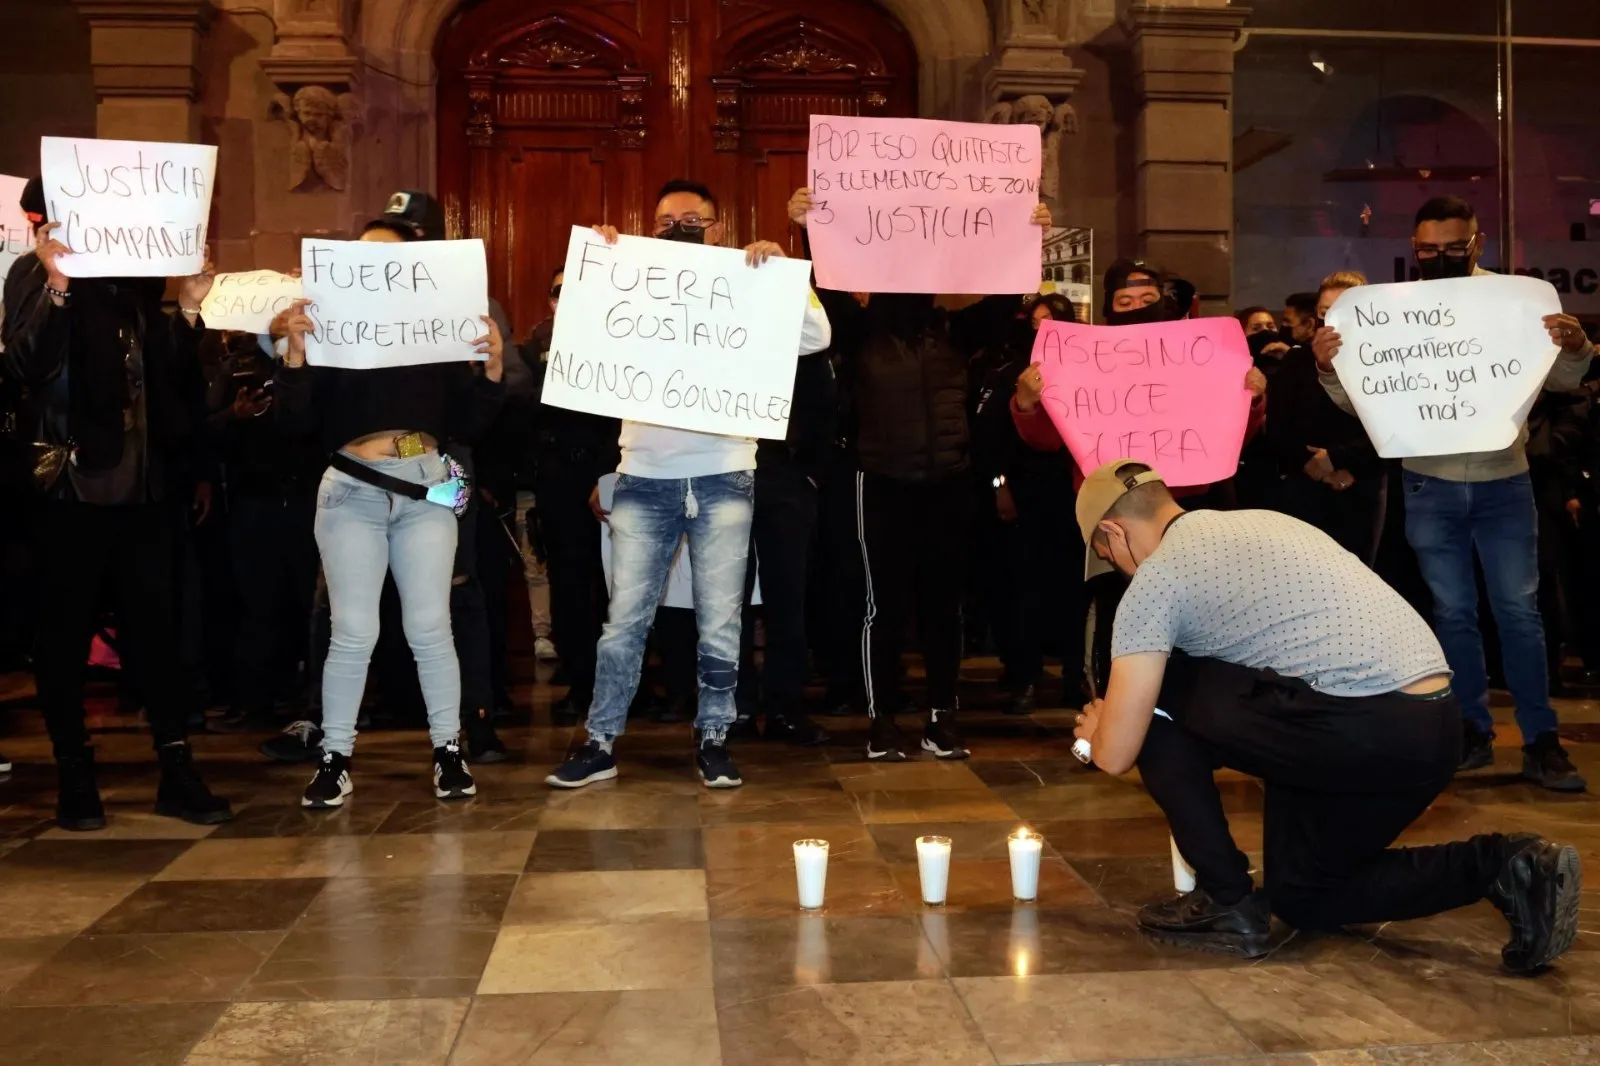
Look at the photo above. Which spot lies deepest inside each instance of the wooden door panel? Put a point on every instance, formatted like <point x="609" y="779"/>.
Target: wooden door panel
<point x="555" y="114"/>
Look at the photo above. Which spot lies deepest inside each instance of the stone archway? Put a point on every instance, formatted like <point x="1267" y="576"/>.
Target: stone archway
<point x="952" y="37"/>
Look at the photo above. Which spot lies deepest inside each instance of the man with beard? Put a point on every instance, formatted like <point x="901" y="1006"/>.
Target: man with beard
<point x="1481" y="505"/>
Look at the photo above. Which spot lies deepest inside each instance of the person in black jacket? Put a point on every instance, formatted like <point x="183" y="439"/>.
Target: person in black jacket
<point x="905" y="360"/>
<point x="120" y="395"/>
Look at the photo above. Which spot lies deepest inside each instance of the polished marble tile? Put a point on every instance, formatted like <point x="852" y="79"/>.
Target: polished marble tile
<point x="86" y="857"/>
<point x="771" y="846"/>
<point x="616" y="809"/>
<point x="599" y="958"/>
<point x="1028" y="940"/>
<point x="400" y="1032"/>
<point x="900" y="1023"/>
<point x="263" y="858"/>
<point x="133" y="823"/>
<point x="1124" y="837"/>
<point x="479" y="815"/>
<point x="1561" y="1051"/>
<point x="985" y="884"/>
<point x="858" y="889"/>
<point x="929" y="805"/>
<point x="591" y="1029"/>
<point x="1036" y="772"/>
<point x="1097" y="1017"/>
<point x="819" y="949"/>
<point x="20" y="956"/>
<point x="391" y="855"/>
<point x="210" y="907"/>
<point x="460" y="900"/>
<point x="608" y="896"/>
<point x="46" y="908"/>
<point x="565" y="850"/>
<point x="269" y="818"/>
<point x="128" y="1035"/>
<point x="366" y="962"/>
<point x="1295" y="1008"/>
<point x="818" y="806"/>
<point x="1062" y="803"/>
<point x="906" y="776"/>
<point x="145" y="968"/>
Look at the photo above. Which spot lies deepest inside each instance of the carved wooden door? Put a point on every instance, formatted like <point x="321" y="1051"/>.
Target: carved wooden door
<point x="552" y="115"/>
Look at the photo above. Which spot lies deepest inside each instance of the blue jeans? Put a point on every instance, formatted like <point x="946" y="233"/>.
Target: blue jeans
<point x="648" y="517"/>
<point x="1445" y="522"/>
<point x="363" y="533"/>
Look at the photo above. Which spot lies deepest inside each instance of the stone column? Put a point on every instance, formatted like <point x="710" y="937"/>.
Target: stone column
<point x="1183" y="142"/>
<point x="146" y="55"/>
<point x="1030" y="78"/>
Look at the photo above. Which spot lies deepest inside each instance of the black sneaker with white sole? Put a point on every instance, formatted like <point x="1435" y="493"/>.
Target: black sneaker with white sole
<point x="451" y="779"/>
<point x="5" y="765"/>
<point x="942" y="739"/>
<point x="331" y="785"/>
<point x="585" y="766"/>
<point x="716" y="766"/>
<point x="885" y="742"/>
<point x="1539" y="891"/>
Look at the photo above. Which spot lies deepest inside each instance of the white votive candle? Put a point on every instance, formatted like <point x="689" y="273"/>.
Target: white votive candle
<point x="1026" y="847"/>
<point x="1182" y="872"/>
<point x="811" y="871"/>
<point x="933" y="865"/>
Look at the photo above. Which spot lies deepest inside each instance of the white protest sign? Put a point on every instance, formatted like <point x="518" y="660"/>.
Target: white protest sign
<point x="680" y="579"/>
<point x="677" y="334"/>
<point x="1444" y="367"/>
<point x="16" y="232"/>
<point x="129" y="209"/>
<point x="378" y="304"/>
<point x="248" y="301"/>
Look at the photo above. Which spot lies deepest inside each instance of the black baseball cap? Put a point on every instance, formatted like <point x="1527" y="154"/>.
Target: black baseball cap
<point x="416" y="216"/>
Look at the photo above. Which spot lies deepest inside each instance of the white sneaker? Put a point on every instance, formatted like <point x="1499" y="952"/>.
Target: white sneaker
<point x="544" y="649"/>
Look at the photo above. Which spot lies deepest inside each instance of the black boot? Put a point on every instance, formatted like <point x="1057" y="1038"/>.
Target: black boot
<point x="182" y="794"/>
<point x="78" y="806"/>
<point x="1195" y="920"/>
<point x="483" y="743"/>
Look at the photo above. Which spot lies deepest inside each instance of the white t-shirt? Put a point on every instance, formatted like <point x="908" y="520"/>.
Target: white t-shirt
<point x="662" y="452"/>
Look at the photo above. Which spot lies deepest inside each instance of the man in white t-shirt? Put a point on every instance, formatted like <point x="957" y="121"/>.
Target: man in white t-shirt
<point x="1272" y="651"/>
<point x="673" y="482"/>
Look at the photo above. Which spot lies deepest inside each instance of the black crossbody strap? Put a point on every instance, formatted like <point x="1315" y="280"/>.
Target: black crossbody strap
<point x="362" y="472"/>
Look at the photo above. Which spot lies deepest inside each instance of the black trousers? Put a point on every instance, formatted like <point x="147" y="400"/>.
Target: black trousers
<point x="1343" y="778"/>
<point x="497" y="552"/>
<point x="837" y="582"/>
<point x="78" y="549"/>
<point x="469" y="620"/>
<point x="273" y="554"/>
<point x="913" y="544"/>
<point x="781" y="533"/>
<point x="571" y="540"/>
<point x="1044" y="597"/>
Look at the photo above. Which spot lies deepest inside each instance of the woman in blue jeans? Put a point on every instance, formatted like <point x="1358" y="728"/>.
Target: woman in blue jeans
<point x="382" y="429"/>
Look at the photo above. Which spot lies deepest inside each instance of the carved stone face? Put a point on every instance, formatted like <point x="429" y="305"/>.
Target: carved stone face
<point x="1033" y="109"/>
<point x="315" y="111"/>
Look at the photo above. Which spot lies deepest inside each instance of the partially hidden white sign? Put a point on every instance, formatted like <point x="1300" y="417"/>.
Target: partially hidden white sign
<point x="376" y="304"/>
<point x="1444" y="367"/>
<point x="248" y="301"/>
<point x="128" y="208"/>
<point x="16" y="232"/>
<point x="679" y="335"/>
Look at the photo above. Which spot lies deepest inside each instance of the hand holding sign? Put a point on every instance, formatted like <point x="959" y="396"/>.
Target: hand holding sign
<point x="1170" y="394"/>
<point x="249" y="301"/>
<point x="1443" y="367"/>
<point x="129" y="208"/>
<point x="913" y="205"/>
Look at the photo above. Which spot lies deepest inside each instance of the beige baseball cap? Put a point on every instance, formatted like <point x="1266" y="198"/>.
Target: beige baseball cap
<point x="1099" y="492"/>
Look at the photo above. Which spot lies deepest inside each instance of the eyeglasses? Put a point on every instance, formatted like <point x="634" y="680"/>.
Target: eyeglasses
<point x="1455" y="249"/>
<point x="666" y="222"/>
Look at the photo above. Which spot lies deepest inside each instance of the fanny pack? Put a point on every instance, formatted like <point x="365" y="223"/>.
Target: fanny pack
<point x="454" y="492"/>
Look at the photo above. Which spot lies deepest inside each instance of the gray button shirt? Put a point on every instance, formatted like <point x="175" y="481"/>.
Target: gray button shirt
<point x="1266" y="591"/>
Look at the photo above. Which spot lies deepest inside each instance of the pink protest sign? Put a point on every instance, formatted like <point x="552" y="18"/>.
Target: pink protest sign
<point x="1170" y="394"/>
<point x="914" y="205"/>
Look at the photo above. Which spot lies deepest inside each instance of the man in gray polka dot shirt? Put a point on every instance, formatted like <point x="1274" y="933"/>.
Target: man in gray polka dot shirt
<point x="1272" y="651"/>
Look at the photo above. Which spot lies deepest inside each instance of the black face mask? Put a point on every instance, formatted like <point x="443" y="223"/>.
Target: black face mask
<point x="1139" y="316"/>
<point x="1259" y="341"/>
<point x="685" y="234"/>
<point x="1445" y="266"/>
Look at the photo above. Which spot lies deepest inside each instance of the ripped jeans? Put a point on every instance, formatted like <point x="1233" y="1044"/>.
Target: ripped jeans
<point x="648" y="518"/>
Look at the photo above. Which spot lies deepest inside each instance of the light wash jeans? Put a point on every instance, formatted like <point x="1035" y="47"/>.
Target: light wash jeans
<point x="648" y="518"/>
<point x="363" y="533"/>
<point x="1446" y="522"/>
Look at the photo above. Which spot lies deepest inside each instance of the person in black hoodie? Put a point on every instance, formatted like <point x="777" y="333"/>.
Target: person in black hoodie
<point x="120" y="400"/>
<point x="906" y="362"/>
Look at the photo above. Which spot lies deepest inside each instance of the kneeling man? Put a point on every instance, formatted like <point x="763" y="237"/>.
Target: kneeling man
<point x="1272" y="651"/>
